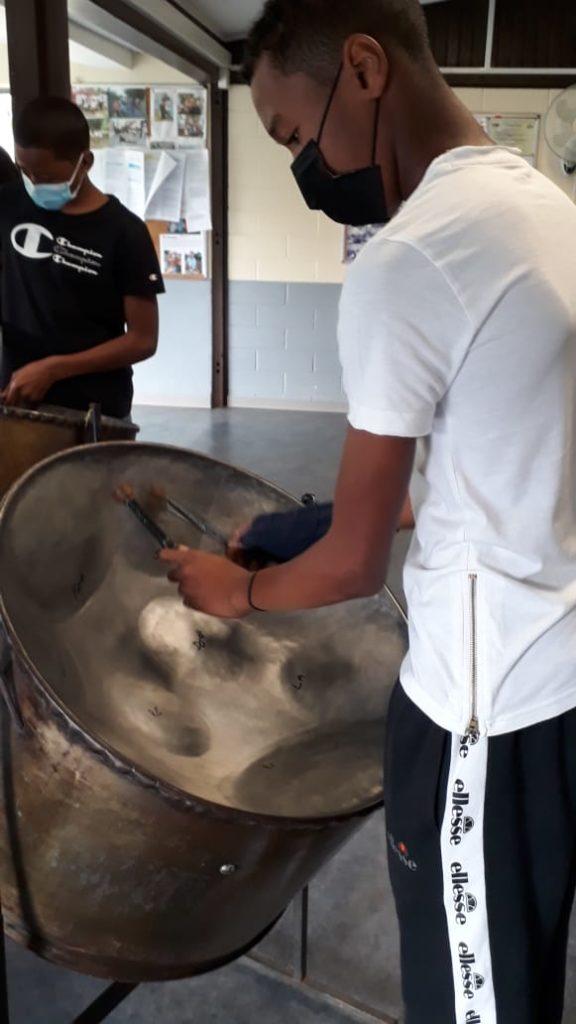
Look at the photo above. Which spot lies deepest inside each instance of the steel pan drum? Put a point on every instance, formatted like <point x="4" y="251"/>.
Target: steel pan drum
<point x="27" y="436"/>
<point x="177" y="779"/>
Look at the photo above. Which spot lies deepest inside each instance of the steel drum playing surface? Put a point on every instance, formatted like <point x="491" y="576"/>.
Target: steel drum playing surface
<point x="276" y="715"/>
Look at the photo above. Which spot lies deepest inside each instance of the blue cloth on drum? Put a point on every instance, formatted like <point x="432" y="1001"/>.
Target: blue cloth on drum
<point x="284" y="535"/>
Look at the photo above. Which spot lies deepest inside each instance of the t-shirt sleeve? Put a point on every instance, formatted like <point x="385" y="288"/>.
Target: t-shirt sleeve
<point x="403" y="335"/>
<point x="10" y="194"/>
<point x="137" y="268"/>
<point x="9" y="173"/>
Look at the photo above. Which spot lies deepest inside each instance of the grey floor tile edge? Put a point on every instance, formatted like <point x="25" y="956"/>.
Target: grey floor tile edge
<point x="352" y="1013"/>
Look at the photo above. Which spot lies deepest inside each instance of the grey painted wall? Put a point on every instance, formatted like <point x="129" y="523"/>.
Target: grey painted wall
<point x="283" y="345"/>
<point x="181" y="371"/>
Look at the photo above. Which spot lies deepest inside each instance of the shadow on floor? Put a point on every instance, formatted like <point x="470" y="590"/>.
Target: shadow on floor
<point x="240" y="994"/>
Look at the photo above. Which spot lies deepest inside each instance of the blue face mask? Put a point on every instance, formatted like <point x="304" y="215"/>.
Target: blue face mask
<point x="54" y="197"/>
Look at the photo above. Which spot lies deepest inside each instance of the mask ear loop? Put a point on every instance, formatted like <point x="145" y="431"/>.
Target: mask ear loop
<point x="376" y="125"/>
<point x="329" y="103"/>
<point x="329" y="107"/>
<point x="77" y="168"/>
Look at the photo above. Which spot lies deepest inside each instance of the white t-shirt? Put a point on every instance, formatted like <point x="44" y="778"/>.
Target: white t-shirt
<point x="458" y="327"/>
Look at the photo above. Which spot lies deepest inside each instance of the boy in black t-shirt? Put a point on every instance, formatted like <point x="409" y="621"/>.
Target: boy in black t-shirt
<point x="80" y="276"/>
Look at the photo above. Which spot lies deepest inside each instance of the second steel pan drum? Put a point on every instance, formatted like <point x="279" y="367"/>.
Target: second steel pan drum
<point x="171" y="780"/>
<point x="29" y="435"/>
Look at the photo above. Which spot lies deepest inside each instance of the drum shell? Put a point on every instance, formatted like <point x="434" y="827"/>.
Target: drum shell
<point x="105" y="867"/>
<point x="27" y="437"/>
<point x="141" y="884"/>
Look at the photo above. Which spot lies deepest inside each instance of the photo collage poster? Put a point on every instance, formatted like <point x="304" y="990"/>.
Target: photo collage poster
<point x="150" y="149"/>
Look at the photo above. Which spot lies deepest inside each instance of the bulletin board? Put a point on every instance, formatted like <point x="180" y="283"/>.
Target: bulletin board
<point x="150" y="151"/>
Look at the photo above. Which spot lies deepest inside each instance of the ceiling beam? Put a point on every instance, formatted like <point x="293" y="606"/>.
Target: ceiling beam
<point x="172" y="29"/>
<point x="185" y="26"/>
<point x="237" y="47"/>
<point x="87" y="15"/>
<point x="206" y="21"/>
<point x="101" y="45"/>
<point x="92" y="16"/>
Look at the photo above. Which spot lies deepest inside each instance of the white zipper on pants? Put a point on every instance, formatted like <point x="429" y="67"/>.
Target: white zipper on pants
<point x="473" y="725"/>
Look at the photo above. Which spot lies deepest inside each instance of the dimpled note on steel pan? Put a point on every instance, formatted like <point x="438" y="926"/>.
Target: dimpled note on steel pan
<point x="278" y="715"/>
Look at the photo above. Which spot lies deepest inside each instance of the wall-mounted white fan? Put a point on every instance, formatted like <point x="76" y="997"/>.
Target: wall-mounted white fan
<point x="560" y="128"/>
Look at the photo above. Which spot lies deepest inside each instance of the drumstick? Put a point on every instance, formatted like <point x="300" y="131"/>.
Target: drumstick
<point x="125" y="495"/>
<point x="158" y="495"/>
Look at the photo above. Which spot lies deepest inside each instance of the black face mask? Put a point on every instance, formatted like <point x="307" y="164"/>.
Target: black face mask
<point x="356" y="198"/>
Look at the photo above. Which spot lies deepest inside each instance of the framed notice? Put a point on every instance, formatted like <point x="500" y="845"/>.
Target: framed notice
<point x="517" y="131"/>
<point x="183" y="255"/>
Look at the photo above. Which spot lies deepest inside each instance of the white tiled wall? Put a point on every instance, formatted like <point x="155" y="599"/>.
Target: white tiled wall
<point x="274" y="237"/>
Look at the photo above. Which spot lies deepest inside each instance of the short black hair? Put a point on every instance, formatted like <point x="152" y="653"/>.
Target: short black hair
<point x="308" y="35"/>
<point x="53" y="123"/>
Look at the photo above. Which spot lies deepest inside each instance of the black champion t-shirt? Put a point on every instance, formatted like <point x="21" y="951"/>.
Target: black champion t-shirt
<point x="64" y="281"/>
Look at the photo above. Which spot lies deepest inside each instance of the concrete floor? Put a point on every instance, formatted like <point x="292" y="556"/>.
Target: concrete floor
<point x="353" y="937"/>
<point x="244" y="993"/>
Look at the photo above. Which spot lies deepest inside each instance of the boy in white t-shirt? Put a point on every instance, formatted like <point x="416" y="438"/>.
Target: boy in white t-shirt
<point x="458" y="342"/>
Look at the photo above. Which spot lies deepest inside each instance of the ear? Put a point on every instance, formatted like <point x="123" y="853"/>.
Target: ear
<point x="368" y="63"/>
<point x="89" y="160"/>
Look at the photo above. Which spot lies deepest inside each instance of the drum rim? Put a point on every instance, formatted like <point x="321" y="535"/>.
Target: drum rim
<point x="115" y="759"/>
<point x="62" y="418"/>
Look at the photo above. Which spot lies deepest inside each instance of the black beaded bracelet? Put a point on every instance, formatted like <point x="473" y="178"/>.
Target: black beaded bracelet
<point x="251" y="583"/>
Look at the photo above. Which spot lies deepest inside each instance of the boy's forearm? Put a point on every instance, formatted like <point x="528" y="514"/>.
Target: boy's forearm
<point x="111" y="355"/>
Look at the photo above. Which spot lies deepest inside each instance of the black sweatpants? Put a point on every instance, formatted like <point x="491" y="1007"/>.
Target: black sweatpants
<point x="482" y="859"/>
